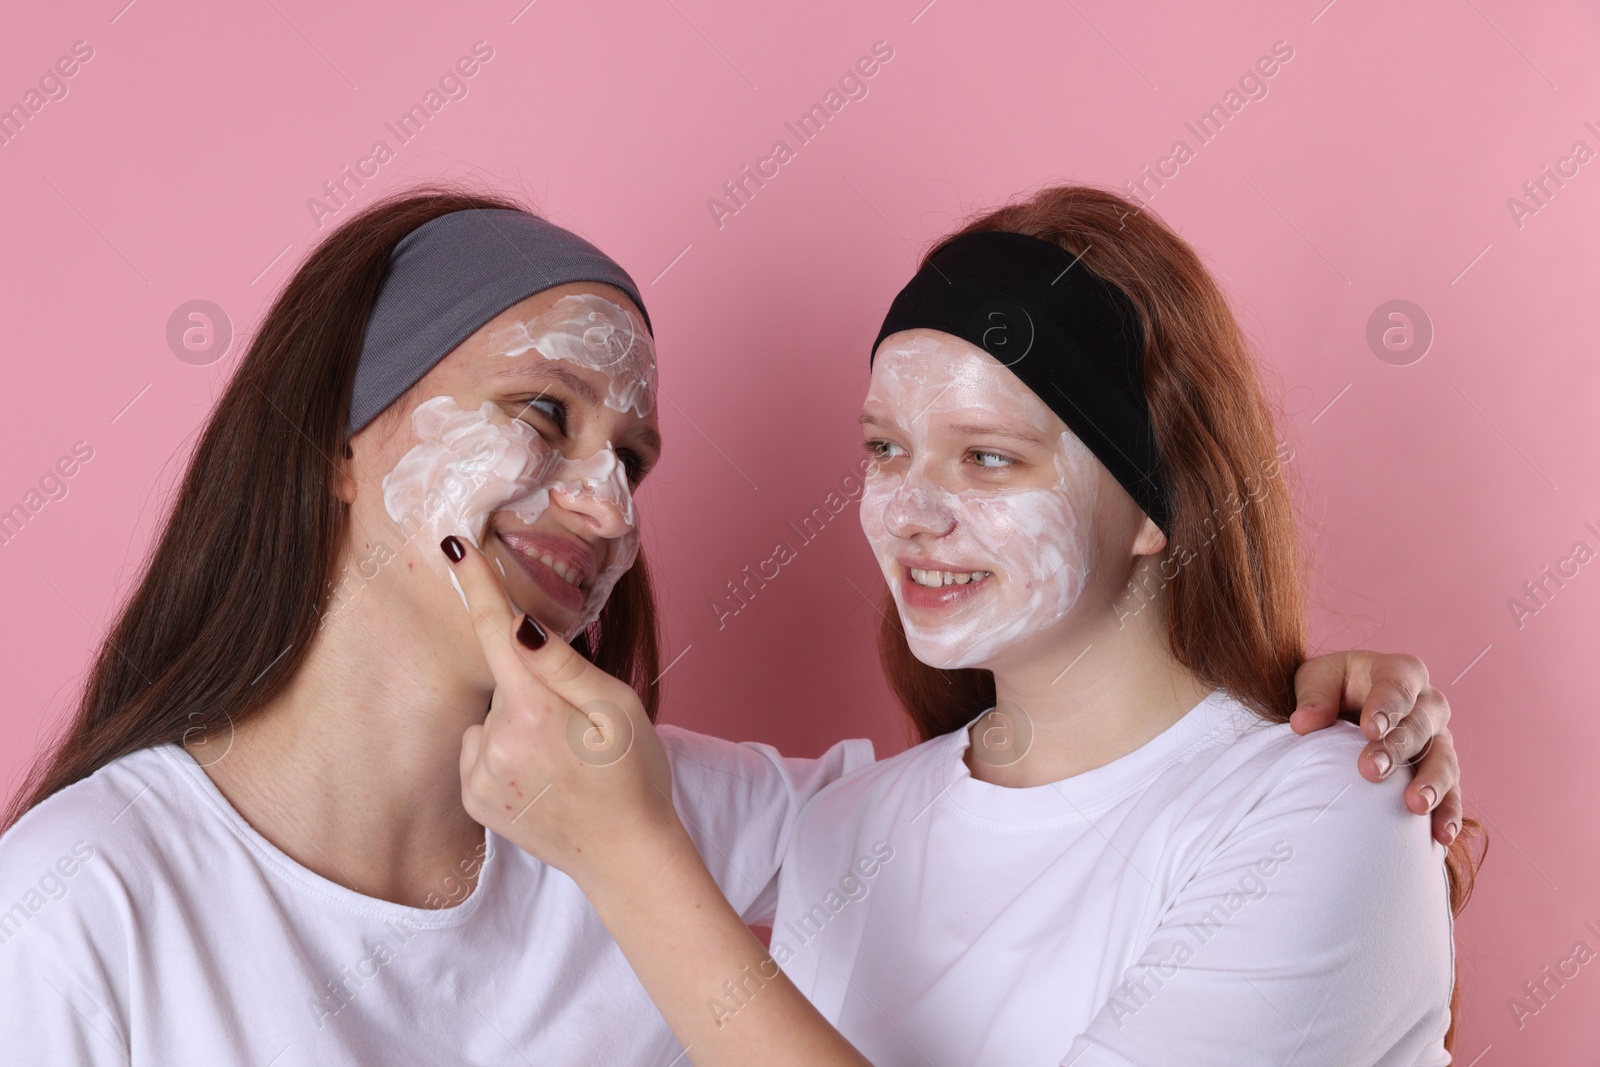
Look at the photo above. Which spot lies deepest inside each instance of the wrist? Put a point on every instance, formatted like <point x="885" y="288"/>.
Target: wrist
<point x="656" y="862"/>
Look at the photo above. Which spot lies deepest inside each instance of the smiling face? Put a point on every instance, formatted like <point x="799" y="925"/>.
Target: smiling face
<point x="986" y="513"/>
<point x="528" y="439"/>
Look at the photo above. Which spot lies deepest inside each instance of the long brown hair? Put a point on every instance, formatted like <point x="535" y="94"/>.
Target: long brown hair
<point x="1235" y="608"/>
<point x="224" y="613"/>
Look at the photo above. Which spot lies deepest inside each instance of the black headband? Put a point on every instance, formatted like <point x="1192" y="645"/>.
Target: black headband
<point x="1071" y="337"/>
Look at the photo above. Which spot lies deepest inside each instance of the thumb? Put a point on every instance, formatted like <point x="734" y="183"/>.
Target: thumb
<point x="1318" y="687"/>
<point x="566" y="673"/>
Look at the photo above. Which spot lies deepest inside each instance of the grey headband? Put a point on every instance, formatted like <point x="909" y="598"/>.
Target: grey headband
<point x="451" y="275"/>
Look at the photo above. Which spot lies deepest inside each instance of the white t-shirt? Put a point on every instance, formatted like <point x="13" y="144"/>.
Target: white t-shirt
<point x="1229" y="894"/>
<point x="143" y="921"/>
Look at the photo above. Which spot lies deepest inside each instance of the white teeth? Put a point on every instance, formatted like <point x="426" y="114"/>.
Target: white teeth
<point x="570" y="575"/>
<point x="935" y="579"/>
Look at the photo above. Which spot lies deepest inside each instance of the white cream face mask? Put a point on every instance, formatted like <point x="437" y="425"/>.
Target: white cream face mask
<point x="470" y="463"/>
<point x="1036" y="545"/>
<point x="596" y="334"/>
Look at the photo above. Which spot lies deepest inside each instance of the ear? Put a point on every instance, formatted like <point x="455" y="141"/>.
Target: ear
<point x="1150" y="540"/>
<point x="345" y="486"/>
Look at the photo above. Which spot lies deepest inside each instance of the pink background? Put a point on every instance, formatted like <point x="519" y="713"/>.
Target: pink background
<point x="1378" y="167"/>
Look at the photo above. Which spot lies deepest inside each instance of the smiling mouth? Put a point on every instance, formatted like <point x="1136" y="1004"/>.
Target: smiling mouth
<point x="938" y="579"/>
<point x="927" y="589"/>
<point x="563" y="580"/>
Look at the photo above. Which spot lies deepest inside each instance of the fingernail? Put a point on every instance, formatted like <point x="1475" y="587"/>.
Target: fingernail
<point x="452" y="548"/>
<point x="1384" y="764"/>
<point x="530" y="633"/>
<point x="1429" y="797"/>
<point x="1381" y="720"/>
<point x="1452" y="829"/>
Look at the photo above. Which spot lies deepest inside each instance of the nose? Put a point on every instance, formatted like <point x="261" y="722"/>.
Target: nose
<point x="596" y="490"/>
<point x="913" y="509"/>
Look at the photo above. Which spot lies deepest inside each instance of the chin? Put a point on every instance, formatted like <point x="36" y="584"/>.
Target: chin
<point x="990" y="652"/>
<point x="943" y="658"/>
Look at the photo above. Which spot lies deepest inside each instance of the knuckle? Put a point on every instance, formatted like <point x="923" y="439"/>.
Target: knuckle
<point x="1401" y="733"/>
<point x="1452" y="762"/>
<point x="569" y="666"/>
<point x="1437" y="703"/>
<point x="500" y="752"/>
<point x="1312" y="670"/>
<point x="482" y="624"/>
<point x="1417" y="747"/>
<point x="483" y="781"/>
<point x="1310" y="694"/>
<point x="1405" y="748"/>
<point x="472" y="796"/>
<point x="1416" y="671"/>
<point x="1440" y="748"/>
<point x="1406" y="691"/>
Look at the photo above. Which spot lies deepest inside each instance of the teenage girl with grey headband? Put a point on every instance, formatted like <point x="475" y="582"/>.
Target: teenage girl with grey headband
<point x="251" y="844"/>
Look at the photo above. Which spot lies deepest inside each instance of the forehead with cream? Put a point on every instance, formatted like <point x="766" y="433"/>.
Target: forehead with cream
<point x="591" y="332"/>
<point x="1034" y="542"/>
<point x="922" y="377"/>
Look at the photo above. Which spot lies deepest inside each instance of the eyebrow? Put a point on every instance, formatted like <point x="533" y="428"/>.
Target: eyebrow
<point x="648" y="436"/>
<point x="969" y="429"/>
<point x="550" y="369"/>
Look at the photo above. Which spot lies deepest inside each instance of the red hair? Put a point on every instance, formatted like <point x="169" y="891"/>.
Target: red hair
<point x="1235" y="610"/>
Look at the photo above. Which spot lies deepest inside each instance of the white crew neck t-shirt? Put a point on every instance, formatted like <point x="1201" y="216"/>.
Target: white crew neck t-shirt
<point x="1228" y="894"/>
<point x="143" y="921"/>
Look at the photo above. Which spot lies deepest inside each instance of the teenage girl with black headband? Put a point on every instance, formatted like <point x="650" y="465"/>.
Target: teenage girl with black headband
<point x="251" y="845"/>
<point x="1110" y="848"/>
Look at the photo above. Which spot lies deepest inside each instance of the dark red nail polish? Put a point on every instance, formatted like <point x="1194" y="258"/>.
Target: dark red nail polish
<point x="453" y="549"/>
<point x="530" y="633"/>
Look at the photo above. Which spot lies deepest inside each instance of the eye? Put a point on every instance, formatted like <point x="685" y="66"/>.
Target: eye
<point x="990" y="460"/>
<point x="880" y="449"/>
<point x="552" y="408"/>
<point x="634" y="464"/>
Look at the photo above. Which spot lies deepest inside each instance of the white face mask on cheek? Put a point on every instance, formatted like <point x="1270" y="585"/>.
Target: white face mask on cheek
<point x="470" y="463"/>
<point x="1038" y="543"/>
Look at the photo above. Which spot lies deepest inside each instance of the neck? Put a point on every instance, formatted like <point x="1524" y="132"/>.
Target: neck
<point x="353" y="770"/>
<point x="1105" y="686"/>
